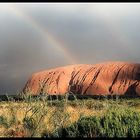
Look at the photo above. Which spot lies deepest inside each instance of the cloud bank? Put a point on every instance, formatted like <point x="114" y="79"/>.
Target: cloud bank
<point x="88" y="33"/>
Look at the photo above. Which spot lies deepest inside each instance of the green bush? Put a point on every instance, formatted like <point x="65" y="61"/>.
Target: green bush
<point x="3" y="121"/>
<point x="116" y="123"/>
<point x="29" y="123"/>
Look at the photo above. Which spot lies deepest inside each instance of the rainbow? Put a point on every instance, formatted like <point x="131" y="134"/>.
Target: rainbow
<point x="44" y="32"/>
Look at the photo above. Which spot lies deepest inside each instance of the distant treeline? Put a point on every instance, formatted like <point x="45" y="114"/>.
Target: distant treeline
<point x="60" y="97"/>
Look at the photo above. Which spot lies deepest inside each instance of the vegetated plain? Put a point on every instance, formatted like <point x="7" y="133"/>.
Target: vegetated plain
<point x="69" y="116"/>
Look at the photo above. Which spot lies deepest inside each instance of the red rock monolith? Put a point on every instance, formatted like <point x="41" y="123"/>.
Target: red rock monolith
<point x="110" y="78"/>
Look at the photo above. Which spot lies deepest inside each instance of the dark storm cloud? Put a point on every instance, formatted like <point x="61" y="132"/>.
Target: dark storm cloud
<point x="92" y="33"/>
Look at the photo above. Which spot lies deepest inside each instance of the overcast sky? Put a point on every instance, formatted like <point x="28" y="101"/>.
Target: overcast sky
<point x="35" y="37"/>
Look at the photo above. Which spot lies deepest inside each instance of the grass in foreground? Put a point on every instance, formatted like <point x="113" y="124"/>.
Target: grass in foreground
<point x="70" y="118"/>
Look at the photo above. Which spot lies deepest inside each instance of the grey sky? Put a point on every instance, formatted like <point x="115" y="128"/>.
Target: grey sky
<point x="91" y="33"/>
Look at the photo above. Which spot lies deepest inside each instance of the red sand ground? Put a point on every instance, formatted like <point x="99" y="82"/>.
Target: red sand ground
<point x="109" y="78"/>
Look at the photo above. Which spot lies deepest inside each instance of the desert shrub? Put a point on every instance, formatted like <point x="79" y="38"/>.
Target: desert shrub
<point x="121" y="123"/>
<point x="29" y="123"/>
<point x="115" y="123"/>
<point x="3" y="121"/>
<point x="7" y="123"/>
<point x="94" y="105"/>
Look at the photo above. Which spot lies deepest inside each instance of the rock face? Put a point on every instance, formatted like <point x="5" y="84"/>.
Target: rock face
<point x="111" y="78"/>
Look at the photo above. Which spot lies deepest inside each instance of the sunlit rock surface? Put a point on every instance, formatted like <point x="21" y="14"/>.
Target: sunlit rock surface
<point x="111" y="78"/>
